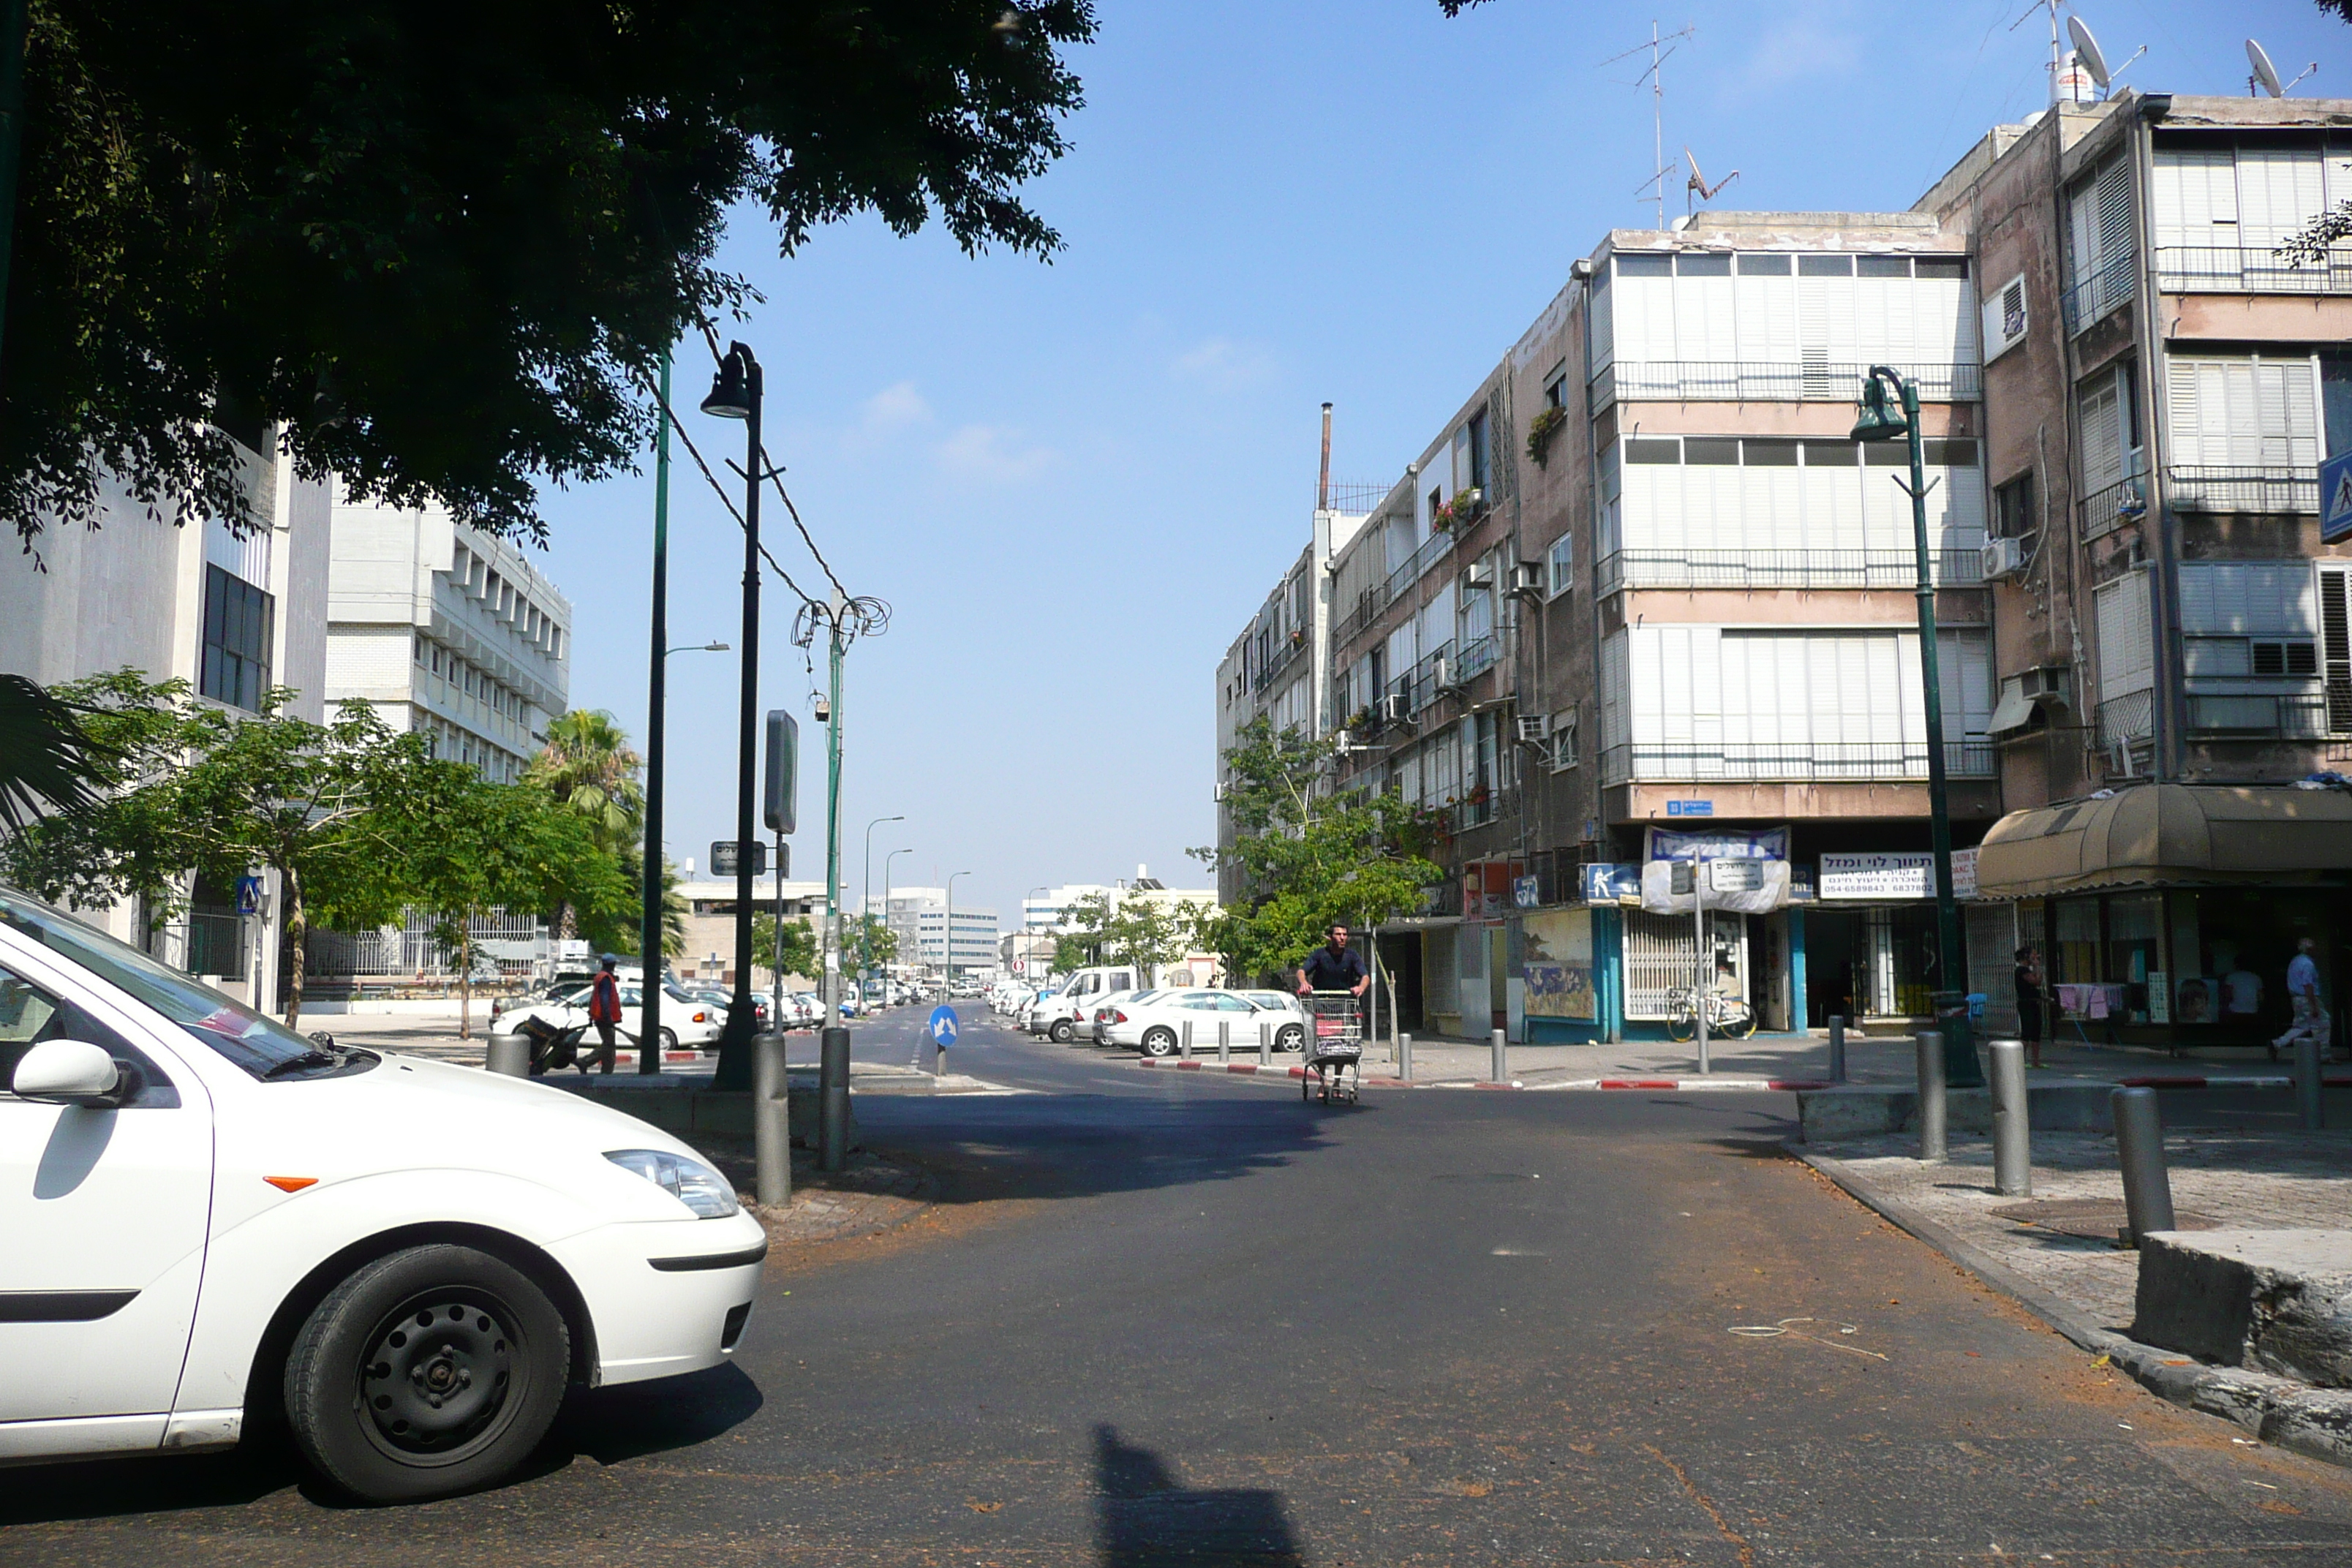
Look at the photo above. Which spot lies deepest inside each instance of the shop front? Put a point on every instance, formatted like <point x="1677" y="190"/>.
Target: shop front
<point x="2166" y="915"/>
<point x="1869" y="937"/>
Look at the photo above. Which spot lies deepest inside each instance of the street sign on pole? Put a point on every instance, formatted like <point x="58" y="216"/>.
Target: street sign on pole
<point x="725" y="863"/>
<point x="783" y="792"/>
<point x="944" y="1027"/>
<point x="2335" y="498"/>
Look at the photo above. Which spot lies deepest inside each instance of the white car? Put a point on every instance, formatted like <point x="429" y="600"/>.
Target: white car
<point x="1283" y="1002"/>
<point x="685" y="1021"/>
<point x="209" y="1217"/>
<point x="1099" y="1016"/>
<point x="1155" y="1024"/>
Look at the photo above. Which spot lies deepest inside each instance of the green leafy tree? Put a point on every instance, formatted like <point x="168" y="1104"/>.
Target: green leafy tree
<point x="447" y="251"/>
<point x="126" y="841"/>
<point x="867" y="942"/>
<point x="588" y="768"/>
<point x="1307" y="856"/>
<point x="1086" y="933"/>
<point x="621" y="927"/>
<point x="801" y="955"/>
<point x="47" y="759"/>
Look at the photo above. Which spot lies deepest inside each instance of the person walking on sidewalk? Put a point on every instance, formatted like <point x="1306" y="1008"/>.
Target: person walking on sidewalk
<point x="2031" y="1015"/>
<point x="604" y="1012"/>
<point x="2303" y="995"/>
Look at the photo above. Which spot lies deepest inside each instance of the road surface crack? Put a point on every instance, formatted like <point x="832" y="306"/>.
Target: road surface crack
<point x="1738" y="1542"/>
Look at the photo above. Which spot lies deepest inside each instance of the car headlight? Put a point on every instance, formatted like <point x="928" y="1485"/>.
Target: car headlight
<point x="710" y="1194"/>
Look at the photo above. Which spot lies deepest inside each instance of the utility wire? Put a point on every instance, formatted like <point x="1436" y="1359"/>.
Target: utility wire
<point x="775" y="473"/>
<point x="728" y="502"/>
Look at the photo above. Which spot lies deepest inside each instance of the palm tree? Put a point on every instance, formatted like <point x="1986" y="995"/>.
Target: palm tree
<point x="46" y="756"/>
<point x="589" y="767"/>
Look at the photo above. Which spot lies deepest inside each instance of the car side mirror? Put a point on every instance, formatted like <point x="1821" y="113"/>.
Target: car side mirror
<point x="67" y="1072"/>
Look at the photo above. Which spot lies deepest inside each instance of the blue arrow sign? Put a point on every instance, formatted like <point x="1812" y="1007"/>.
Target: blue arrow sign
<point x="2335" y="498"/>
<point x="944" y="1027"/>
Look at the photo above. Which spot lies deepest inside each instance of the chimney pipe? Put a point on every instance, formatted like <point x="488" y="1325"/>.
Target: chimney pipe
<point x="1323" y="485"/>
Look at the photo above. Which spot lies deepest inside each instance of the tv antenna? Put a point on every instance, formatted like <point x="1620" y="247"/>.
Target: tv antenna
<point x="1660" y="47"/>
<point x="1696" y="189"/>
<point x="2094" y="59"/>
<point x="2266" y="77"/>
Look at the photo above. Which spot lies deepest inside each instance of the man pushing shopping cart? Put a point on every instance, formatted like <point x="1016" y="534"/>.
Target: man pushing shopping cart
<point x="1333" y="982"/>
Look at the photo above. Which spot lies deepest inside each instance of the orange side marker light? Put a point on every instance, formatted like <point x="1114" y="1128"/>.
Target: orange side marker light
<point x="291" y="1183"/>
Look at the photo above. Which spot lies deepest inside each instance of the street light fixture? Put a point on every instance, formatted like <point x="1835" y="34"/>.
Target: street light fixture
<point x="1876" y="421"/>
<point x="886" y="895"/>
<point x="696" y="647"/>
<point x="735" y="393"/>
<point x="866" y="889"/>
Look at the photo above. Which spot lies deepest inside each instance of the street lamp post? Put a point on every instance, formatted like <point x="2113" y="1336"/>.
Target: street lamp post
<point x="886" y="895"/>
<point x="866" y="889"/>
<point x="1876" y="422"/>
<point x="649" y="929"/>
<point x="947" y="951"/>
<point x="735" y="393"/>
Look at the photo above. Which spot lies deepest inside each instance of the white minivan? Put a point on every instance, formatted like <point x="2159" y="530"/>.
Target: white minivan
<point x="1070" y="1013"/>
<point x="208" y="1218"/>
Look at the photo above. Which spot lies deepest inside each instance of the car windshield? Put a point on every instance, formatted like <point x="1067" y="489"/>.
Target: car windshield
<point x="260" y="1046"/>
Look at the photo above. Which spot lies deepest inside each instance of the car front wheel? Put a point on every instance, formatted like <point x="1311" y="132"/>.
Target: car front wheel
<point x="431" y="1371"/>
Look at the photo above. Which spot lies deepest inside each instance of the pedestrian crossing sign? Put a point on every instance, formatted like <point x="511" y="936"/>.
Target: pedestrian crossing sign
<point x="2335" y="498"/>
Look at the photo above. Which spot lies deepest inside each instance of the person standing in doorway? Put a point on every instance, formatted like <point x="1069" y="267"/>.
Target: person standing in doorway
<point x="2303" y="995"/>
<point x="2031" y="1015"/>
<point x="604" y="1012"/>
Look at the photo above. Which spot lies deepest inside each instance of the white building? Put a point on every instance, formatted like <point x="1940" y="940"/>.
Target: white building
<point x="1050" y="908"/>
<point x="918" y="916"/>
<point x="446" y="631"/>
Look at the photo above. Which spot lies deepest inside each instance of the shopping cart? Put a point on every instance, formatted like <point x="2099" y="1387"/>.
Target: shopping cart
<point x="1334" y="1053"/>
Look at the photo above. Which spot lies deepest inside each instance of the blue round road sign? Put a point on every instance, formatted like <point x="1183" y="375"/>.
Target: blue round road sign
<point x="944" y="1027"/>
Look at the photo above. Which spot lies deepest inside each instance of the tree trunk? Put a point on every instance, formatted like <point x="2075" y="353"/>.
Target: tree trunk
<point x="298" y="927"/>
<point x="465" y="980"/>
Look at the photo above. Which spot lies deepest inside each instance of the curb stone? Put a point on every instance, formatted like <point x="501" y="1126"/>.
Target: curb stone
<point x="2316" y="1422"/>
<point x="1673" y="1085"/>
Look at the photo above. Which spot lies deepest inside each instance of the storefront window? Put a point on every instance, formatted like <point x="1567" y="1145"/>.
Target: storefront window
<point x="2133" y="957"/>
<point x="2077" y="960"/>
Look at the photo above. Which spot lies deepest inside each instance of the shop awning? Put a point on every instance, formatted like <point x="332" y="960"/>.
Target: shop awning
<point x="2169" y="836"/>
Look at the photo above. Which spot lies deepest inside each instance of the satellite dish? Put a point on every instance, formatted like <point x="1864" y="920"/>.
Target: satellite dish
<point x="2265" y="73"/>
<point x="2086" y="48"/>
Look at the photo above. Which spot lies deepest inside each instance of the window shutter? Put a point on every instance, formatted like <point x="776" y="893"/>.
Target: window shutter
<point x="2103" y="443"/>
<point x="2335" y="645"/>
<point x="2127" y="648"/>
<point x="2114" y="212"/>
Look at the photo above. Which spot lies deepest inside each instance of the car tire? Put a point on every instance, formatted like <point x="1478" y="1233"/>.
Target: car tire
<point x="1063" y="1032"/>
<point x="1290" y="1037"/>
<point x="669" y="1039"/>
<point x="434" y="1370"/>
<point x="1159" y="1042"/>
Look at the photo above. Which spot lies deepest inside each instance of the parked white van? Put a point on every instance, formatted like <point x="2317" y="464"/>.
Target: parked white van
<point x="1060" y="1017"/>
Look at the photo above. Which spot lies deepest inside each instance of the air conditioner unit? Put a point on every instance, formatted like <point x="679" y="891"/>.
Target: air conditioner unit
<point x="2044" y="680"/>
<point x="1534" y="728"/>
<point x="1441" y="673"/>
<point x="1527" y="577"/>
<point x="2004" y="558"/>
<point x="2004" y="319"/>
<point x="1392" y="707"/>
<point x="1478" y="575"/>
<point x="1220" y="794"/>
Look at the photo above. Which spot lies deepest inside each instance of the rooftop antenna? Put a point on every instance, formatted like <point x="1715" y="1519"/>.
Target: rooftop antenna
<point x="2266" y="75"/>
<point x="2093" y="58"/>
<point x="1660" y="47"/>
<point x="1696" y="189"/>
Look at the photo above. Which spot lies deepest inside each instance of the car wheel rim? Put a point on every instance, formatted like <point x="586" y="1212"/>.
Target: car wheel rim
<point x="438" y="1376"/>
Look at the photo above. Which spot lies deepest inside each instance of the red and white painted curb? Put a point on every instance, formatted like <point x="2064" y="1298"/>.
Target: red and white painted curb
<point x="1672" y="1084"/>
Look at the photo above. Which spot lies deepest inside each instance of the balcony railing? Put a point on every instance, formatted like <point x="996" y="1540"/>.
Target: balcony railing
<point x="1477" y="657"/>
<point x="1813" y="381"/>
<point x="2102" y="291"/>
<point x="1410" y="570"/>
<point x="2267" y="716"/>
<point x="1821" y="761"/>
<point x="2126" y="719"/>
<point x="1368" y="604"/>
<point x="2254" y="487"/>
<point x="2249" y="269"/>
<point x="1482" y="807"/>
<point x="1285" y="654"/>
<point x="1756" y="569"/>
<point x="2104" y="511"/>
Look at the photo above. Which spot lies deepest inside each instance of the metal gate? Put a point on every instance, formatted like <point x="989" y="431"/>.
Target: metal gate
<point x="1659" y="955"/>
<point x="1992" y="962"/>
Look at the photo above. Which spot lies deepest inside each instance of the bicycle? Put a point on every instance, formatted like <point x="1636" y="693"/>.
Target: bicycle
<point x="1727" y="1018"/>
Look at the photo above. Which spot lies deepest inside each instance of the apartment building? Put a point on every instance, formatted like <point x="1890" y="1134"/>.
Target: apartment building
<point x="446" y="631"/>
<point x="2162" y="382"/>
<point x="933" y="938"/>
<point x="709" y="955"/>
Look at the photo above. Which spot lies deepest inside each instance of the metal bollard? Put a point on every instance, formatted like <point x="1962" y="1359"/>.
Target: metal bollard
<point x="1930" y="1048"/>
<point x="1499" y="1048"/>
<point x="772" y="1122"/>
<point x="2139" y="1150"/>
<point x="2309" y="1087"/>
<point x="1265" y="1044"/>
<point x="2012" y="1126"/>
<point x="1224" y="1042"/>
<point x="1837" y="1049"/>
<point x="1184" y="1044"/>
<point x="833" y="1100"/>
<point x="1404" y="1056"/>
<point x="509" y="1054"/>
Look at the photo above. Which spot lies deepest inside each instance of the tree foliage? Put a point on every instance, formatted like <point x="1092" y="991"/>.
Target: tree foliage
<point x="445" y="247"/>
<point x="1306" y="856"/>
<point x="801" y="955"/>
<point x="1147" y="933"/>
<point x="48" y="761"/>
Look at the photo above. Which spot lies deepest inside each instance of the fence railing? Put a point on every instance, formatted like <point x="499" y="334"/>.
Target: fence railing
<point x="2280" y="715"/>
<point x="2259" y="486"/>
<point x="2106" y="510"/>
<point x="1809" y="381"/>
<point x="216" y="945"/>
<point x="1784" y="568"/>
<point x="2249" y="269"/>
<point x="2109" y="285"/>
<point x="1833" y="760"/>
<point x="2131" y="717"/>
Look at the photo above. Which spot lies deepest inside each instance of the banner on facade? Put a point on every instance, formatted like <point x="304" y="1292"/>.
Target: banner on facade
<point x="1658" y="896"/>
<point x="1557" y="966"/>
<point x="1903" y="874"/>
<point x="1718" y="844"/>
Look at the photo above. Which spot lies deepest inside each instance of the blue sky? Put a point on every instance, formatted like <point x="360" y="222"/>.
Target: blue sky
<point x="1075" y="482"/>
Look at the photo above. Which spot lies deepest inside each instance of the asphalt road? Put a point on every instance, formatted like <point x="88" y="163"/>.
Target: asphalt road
<point x="1183" y="1319"/>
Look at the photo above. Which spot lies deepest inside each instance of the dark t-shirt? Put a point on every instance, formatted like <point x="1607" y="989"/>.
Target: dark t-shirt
<point x="1329" y="971"/>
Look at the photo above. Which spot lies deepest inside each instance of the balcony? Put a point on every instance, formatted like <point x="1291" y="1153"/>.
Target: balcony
<point x="1478" y="655"/>
<point x="1482" y="807"/>
<point x="2104" y="511"/>
<point x="2258" y="716"/>
<point x="1410" y="571"/>
<point x="1829" y="761"/>
<point x="2249" y="269"/>
<point x="2252" y="487"/>
<point x="2107" y="287"/>
<point x="1740" y="381"/>
<point x="1285" y="654"/>
<point x="1368" y="604"/>
<point x="1760" y="569"/>
<point x="2126" y="719"/>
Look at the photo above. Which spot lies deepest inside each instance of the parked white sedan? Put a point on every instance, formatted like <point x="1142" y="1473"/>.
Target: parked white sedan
<point x="1155" y="1025"/>
<point x="684" y="1021"/>
<point x="209" y="1217"/>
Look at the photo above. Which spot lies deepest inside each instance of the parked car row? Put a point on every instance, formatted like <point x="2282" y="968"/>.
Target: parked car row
<point x="1110" y="1006"/>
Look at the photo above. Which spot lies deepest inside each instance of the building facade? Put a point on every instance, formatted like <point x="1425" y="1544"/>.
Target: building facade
<point x="919" y="918"/>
